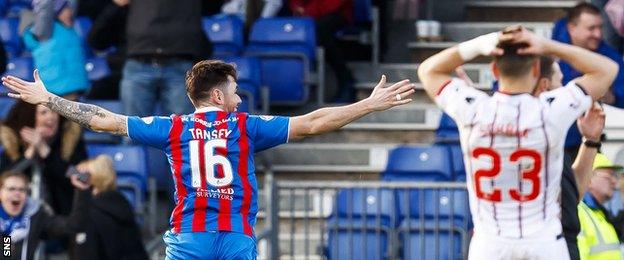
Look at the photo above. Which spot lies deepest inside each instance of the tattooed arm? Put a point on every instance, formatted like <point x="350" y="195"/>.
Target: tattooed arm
<point x="89" y="116"/>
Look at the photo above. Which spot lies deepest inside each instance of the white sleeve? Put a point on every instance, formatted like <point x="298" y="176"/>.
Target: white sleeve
<point x="459" y="100"/>
<point x="566" y="104"/>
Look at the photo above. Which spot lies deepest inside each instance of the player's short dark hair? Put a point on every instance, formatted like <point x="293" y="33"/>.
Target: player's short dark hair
<point x="575" y="12"/>
<point x="511" y="64"/>
<point x="546" y="66"/>
<point x="206" y="75"/>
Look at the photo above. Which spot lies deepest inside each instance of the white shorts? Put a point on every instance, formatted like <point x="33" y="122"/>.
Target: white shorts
<point x="484" y="247"/>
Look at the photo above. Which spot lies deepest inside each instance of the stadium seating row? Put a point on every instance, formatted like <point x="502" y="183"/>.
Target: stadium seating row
<point x="22" y="67"/>
<point x="427" y="223"/>
<point x="285" y="47"/>
<point x="438" y="162"/>
<point x="131" y="165"/>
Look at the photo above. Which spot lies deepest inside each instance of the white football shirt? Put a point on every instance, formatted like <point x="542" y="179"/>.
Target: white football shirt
<point x="513" y="153"/>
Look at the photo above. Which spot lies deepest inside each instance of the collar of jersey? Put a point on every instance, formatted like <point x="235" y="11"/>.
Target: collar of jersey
<point x="511" y="94"/>
<point x="207" y="109"/>
<point x="591" y="201"/>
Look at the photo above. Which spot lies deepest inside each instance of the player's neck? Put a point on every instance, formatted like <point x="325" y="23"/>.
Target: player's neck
<point x="516" y="85"/>
<point x="208" y="104"/>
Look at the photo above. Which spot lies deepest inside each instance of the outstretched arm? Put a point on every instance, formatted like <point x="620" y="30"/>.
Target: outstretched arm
<point x="332" y="118"/>
<point x="89" y="116"/>
<point x="590" y="125"/>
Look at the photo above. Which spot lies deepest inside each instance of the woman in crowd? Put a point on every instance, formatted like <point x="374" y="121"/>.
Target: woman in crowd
<point x="112" y="231"/>
<point x="36" y="132"/>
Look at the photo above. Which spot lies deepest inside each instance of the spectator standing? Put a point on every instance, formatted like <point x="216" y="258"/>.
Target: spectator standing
<point x="583" y="28"/>
<point x="164" y="38"/>
<point x="56" y="48"/>
<point x="108" y="34"/>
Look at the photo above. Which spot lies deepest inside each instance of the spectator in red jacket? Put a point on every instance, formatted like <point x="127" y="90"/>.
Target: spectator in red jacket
<point x="330" y="16"/>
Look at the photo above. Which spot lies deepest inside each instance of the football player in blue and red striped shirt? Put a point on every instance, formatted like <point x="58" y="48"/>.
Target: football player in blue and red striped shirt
<point x="211" y="152"/>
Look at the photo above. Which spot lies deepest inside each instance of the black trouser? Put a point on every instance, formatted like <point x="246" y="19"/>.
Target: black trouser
<point x="573" y="248"/>
<point x="326" y="28"/>
<point x="569" y="207"/>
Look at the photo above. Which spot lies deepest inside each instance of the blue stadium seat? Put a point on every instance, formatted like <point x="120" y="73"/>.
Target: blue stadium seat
<point x="361" y="226"/>
<point x="129" y="187"/>
<point x="434" y="203"/>
<point x="365" y="203"/>
<point x="4" y="7"/>
<point x="438" y="218"/>
<point x="249" y="80"/>
<point x="457" y="157"/>
<point x="432" y="242"/>
<point x="159" y="168"/>
<point x="362" y="18"/>
<point x="362" y="11"/>
<point x="21" y="67"/>
<point x="10" y="37"/>
<point x="114" y="106"/>
<point x="225" y="33"/>
<point x="5" y="106"/>
<point x="431" y="163"/>
<point x="82" y="26"/>
<point x="286" y="48"/>
<point x="447" y="131"/>
<point x="97" y="68"/>
<point x="129" y="161"/>
<point x="131" y="165"/>
<point x="15" y="7"/>
<point x="129" y="193"/>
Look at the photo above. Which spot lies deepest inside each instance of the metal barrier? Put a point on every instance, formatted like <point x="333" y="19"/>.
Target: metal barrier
<point x="365" y="220"/>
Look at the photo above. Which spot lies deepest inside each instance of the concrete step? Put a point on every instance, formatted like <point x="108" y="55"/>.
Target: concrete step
<point x="414" y="117"/>
<point x="366" y="72"/>
<point x="330" y="157"/>
<point x="360" y="136"/>
<point x="367" y="75"/>
<point x="420" y="51"/>
<point x="530" y="10"/>
<point x="462" y="31"/>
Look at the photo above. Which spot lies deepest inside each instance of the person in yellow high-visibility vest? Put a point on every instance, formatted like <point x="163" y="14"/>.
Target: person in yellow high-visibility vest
<point x="598" y="238"/>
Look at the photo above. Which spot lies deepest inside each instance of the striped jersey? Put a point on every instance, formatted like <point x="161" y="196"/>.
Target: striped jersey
<point x="211" y="157"/>
<point x="513" y="152"/>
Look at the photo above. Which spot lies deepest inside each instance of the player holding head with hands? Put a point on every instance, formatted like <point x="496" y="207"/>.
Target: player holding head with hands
<point x="513" y="140"/>
<point x="211" y="152"/>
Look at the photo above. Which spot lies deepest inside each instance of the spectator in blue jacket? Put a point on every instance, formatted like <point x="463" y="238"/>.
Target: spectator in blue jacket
<point x="56" y="48"/>
<point x="583" y="27"/>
